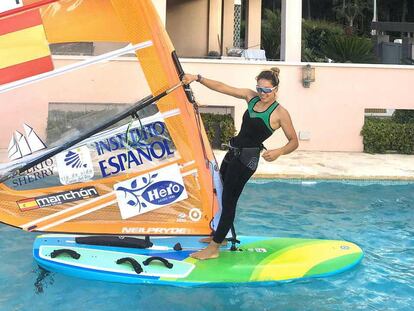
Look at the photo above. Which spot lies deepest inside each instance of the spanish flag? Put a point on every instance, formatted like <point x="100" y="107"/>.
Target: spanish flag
<point x="27" y="204"/>
<point x="24" y="50"/>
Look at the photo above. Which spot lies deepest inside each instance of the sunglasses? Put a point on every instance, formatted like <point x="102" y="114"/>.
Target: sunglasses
<point x="265" y="90"/>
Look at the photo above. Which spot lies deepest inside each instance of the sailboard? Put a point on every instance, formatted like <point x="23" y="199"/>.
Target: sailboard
<point x="258" y="261"/>
<point x="119" y="148"/>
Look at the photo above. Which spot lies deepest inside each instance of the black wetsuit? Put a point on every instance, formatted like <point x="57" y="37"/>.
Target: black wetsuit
<point x="240" y="162"/>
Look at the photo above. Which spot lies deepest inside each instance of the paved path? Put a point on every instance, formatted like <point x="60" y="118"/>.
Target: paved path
<point x="336" y="165"/>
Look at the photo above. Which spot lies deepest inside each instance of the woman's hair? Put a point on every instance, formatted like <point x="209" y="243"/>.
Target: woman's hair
<point x="271" y="75"/>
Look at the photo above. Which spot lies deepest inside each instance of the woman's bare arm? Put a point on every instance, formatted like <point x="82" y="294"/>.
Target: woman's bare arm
<point x="221" y="87"/>
<point x="290" y="133"/>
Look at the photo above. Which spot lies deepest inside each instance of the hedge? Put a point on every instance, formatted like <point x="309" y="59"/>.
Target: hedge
<point x="403" y="116"/>
<point x="385" y="135"/>
<point x="220" y="128"/>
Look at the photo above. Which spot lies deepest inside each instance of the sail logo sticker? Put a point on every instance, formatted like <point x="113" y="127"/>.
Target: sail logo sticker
<point x="142" y="145"/>
<point x="57" y="198"/>
<point x="35" y="174"/>
<point x="151" y="191"/>
<point x="22" y="145"/>
<point x="73" y="160"/>
<point x="75" y="165"/>
<point x="163" y="192"/>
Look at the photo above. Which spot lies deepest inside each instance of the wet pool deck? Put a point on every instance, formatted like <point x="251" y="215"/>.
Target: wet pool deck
<point x="336" y="165"/>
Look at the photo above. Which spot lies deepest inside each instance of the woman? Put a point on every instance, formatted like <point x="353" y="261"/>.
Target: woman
<point x="263" y="116"/>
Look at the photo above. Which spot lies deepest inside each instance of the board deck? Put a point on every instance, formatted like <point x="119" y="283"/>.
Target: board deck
<point x="258" y="260"/>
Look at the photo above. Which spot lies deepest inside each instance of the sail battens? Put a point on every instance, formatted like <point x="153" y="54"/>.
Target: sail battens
<point x="54" y="224"/>
<point x="188" y="163"/>
<point x="192" y="172"/>
<point x="170" y="113"/>
<point x="65" y="211"/>
<point x="87" y="203"/>
<point x="76" y="66"/>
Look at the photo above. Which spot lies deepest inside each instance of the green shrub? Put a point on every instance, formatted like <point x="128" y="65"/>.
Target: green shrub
<point x="220" y="128"/>
<point x="383" y="135"/>
<point x="314" y="36"/>
<point x="349" y="49"/>
<point x="403" y="116"/>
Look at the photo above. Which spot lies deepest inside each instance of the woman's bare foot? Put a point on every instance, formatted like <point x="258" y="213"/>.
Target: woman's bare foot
<point x="210" y="252"/>
<point x="210" y="238"/>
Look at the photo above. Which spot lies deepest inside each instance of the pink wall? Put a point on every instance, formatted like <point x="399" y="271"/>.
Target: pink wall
<point x="332" y="109"/>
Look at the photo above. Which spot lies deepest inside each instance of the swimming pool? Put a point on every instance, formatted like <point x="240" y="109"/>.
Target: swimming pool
<point x="379" y="217"/>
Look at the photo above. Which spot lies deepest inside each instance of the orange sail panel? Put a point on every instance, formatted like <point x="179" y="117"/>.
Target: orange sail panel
<point x="141" y="176"/>
<point x="24" y="50"/>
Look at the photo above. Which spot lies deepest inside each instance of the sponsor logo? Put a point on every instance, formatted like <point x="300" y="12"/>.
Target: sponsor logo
<point x="75" y="166"/>
<point x="37" y="172"/>
<point x="57" y="198"/>
<point x="181" y="217"/>
<point x="163" y="192"/>
<point x="151" y="191"/>
<point x="73" y="160"/>
<point x="137" y="137"/>
<point x="195" y="214"/>
<point x="152" y="230"/>
<point x="144" y="144"/>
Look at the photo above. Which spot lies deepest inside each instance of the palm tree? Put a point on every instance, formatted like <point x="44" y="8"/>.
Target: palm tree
<point x="350" y="10"/>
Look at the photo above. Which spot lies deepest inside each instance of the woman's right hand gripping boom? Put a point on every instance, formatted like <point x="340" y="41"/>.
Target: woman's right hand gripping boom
<point x="241" y="93"/>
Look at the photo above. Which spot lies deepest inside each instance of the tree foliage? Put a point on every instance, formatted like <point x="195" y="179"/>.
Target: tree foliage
<point x="349" y="49"/>
<point x="271" y="30"/>
<point x="315" y="35"/>
<point x="350" y="10"/>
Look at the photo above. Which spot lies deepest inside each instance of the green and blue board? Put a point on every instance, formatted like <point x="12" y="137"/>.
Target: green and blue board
<point x="258" y="260"/>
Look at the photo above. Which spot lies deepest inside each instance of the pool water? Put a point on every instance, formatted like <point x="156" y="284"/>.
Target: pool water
<point x="378" y="217"/>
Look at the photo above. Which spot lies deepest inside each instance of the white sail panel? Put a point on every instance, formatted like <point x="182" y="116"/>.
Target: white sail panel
<point x="34" y="141"/>
<point x="22" y="143"/>
<point x="13" y="150"/>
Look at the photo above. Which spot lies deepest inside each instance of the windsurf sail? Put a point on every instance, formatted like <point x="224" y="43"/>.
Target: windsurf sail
<point x="115" y="144"/>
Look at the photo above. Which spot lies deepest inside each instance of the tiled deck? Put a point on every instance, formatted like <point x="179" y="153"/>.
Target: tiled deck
<point x="336" y="165"/>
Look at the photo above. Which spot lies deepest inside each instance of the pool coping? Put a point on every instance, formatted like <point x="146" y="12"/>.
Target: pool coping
<point x="329" y="165"/>
<point x="332" y="177"/>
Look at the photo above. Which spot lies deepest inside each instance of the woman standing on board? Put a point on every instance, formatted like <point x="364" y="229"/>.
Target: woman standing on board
<point x="263" y="116"/>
